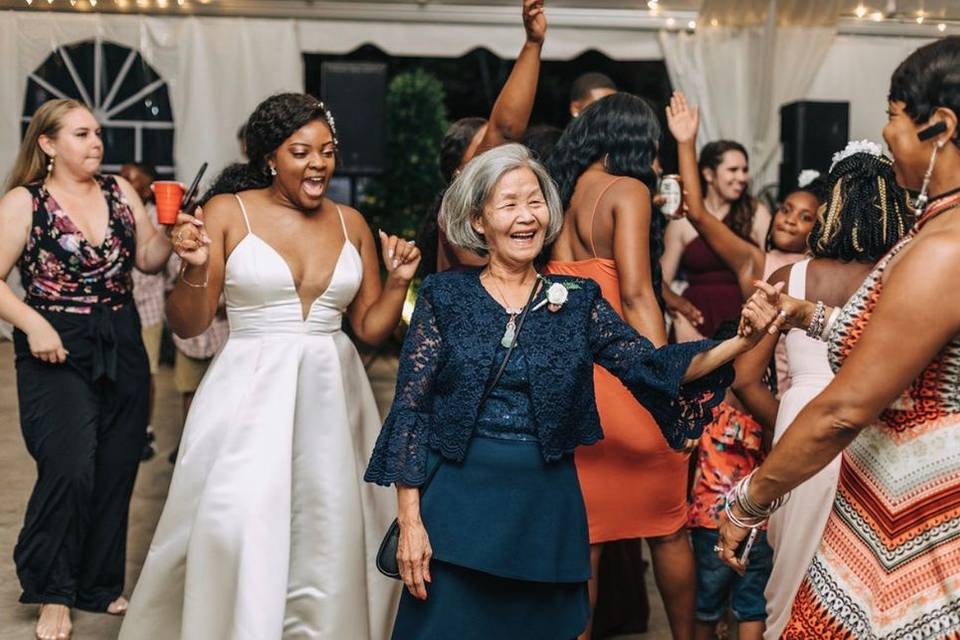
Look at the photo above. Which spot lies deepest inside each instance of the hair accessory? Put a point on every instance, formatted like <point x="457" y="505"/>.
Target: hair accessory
<point x="854" y="147"/>
<point x="806" y="177"/>
<point x="329" y="118"/>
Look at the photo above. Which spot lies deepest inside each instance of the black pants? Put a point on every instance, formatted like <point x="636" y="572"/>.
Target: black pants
<point x="84" y="423"/>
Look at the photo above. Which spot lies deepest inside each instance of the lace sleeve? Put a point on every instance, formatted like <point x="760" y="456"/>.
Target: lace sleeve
<point x="654" y="376"/>
<point x="400" y="453"/>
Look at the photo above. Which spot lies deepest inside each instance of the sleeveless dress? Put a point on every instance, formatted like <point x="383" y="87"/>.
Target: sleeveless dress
<point x="794" y="531"/>
<point x="633" y="452"/>
<point x="269" y="531"/>
<point x="889" y="562"/>
<point x="713" y="287"/>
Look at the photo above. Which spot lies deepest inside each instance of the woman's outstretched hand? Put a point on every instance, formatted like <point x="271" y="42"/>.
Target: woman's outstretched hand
<point x="682" y="119"/>
<point x="761" y="314"/>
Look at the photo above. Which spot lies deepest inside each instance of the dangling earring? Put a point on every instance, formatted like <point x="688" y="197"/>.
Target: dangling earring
<point x="50" y="166"/>
<point x="921" y="202"/>
<point x="273" y="171"/>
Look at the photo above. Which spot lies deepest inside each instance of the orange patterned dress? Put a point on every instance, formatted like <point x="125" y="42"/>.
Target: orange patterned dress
<point x="889" y="563"/>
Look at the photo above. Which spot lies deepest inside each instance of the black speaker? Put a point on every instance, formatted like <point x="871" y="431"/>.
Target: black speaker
<point x="356" y="94"/>
<point x="811" y="132"/>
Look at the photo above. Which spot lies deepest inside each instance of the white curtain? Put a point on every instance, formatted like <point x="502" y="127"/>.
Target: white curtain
<point x="744" y="62"/>
<point x="217" y="70"/>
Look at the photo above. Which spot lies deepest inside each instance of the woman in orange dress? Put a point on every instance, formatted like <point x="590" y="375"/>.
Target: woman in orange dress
<point x="633" y="484"/>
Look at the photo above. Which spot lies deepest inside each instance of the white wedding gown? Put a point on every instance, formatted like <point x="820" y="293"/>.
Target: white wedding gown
<point x="269" y="531"/>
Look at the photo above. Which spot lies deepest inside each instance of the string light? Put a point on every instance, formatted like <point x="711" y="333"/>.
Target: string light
<point x="671" y="23"/>
<point x="714" y="22"/>
<point x="692" y="24"/>
<point x="860" y="11"/>
<point x="652" y="4"/>
<point x="877" y="16"/>
<point x="920" y="17"/>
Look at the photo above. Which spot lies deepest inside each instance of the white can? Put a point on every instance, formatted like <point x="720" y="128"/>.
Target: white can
<point x="671" y="191"/>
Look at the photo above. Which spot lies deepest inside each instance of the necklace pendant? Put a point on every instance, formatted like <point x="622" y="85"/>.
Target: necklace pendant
<point x="509" y="334"/>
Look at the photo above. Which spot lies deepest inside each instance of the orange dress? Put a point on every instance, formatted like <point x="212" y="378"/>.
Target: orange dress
<point x="634" y="485"/>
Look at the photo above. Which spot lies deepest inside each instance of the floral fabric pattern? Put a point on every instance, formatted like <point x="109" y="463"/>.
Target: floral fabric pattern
<point x="62" y="271"/>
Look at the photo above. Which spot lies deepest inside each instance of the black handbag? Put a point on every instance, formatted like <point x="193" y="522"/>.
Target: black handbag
<point x="387" y="553"/>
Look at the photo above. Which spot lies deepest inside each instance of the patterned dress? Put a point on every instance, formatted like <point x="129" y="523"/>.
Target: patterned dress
<point x="889" y="562"/>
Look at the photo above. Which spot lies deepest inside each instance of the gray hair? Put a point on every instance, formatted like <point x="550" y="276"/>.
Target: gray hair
<point x="468" y="193"/>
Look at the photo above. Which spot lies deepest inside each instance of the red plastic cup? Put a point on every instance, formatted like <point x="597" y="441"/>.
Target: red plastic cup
<point x="167" y="194"/>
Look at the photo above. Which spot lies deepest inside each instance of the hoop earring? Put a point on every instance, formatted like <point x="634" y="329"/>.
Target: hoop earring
<point x="921" y="202"/>
<point x="50" y="166"/>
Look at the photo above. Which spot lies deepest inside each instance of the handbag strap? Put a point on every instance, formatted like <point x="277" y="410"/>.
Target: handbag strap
<point x="496" y="378"/>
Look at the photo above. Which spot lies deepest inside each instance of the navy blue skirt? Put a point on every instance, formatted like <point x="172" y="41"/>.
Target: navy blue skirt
<point x="511" y="549"/>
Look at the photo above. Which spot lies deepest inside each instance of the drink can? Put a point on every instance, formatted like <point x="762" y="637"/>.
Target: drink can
<point x="671" y="190"/>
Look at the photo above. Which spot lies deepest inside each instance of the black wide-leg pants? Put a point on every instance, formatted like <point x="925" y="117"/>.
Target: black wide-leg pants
<point x="84" y="422"/>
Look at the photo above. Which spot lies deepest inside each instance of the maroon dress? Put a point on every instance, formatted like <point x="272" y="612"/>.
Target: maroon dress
<point x="713" y="286"/>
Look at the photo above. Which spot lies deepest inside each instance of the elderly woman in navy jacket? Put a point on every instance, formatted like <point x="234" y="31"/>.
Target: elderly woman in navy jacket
<point x="496" y="547"/>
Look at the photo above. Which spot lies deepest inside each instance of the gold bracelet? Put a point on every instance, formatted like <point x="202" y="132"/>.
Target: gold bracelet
<point x="183" y="270"/>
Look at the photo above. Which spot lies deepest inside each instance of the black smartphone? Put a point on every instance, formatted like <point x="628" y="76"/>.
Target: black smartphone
<point x="187" y="203"/>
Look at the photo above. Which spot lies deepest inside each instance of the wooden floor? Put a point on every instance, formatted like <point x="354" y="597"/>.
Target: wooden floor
<point x="16" y="620"/>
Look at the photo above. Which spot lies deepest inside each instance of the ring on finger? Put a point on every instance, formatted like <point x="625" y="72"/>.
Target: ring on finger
<point x="717" y="548"/>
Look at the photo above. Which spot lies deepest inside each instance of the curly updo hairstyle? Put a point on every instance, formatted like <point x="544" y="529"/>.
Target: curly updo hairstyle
<point x="865" y="212"/>
<point x="273" y="121"/>
<point x="928" y="79"/>
<point x="623" y="131"/>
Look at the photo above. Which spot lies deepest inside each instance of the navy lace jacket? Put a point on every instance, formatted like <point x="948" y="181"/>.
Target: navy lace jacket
<point x="449" y="356"/>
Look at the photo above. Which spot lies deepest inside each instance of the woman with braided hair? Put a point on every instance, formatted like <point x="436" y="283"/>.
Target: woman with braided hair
<point x="864" y="216"/>
<point x="268" y="530"/>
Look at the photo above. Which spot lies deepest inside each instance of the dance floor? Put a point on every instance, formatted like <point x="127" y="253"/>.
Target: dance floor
<point x="16" y="621"/>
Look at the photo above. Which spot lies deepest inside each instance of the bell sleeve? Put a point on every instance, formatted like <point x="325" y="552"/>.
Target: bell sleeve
<point x="400" y="453"/>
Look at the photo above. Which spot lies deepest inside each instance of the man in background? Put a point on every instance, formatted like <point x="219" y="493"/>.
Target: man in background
<point x="587" y="89"/>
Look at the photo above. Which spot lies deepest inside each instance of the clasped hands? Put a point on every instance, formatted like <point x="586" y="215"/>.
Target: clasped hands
<point x="755" y="318"/>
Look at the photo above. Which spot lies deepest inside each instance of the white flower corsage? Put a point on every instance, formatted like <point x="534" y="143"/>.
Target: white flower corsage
<point x="806" y="177"/>
<point x="557" y="294"/>
<point x="854" y="147"/>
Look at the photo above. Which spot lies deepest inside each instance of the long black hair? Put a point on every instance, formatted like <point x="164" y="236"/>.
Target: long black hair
<point x="740" y="217"/>
<point x="865" y="212"/>
<point x="273" y="121"/>
<point x="623" y="131"/>
<point x="929" y="78"/>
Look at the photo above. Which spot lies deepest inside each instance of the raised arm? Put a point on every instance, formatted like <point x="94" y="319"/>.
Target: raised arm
<point x="909" y="326"/>
<point x="511" y="112"/>
<point x="375" y="311"/>
<point x="744" y="258"/>
<point x="674" y="381"/>
<point x="153" y="247"/>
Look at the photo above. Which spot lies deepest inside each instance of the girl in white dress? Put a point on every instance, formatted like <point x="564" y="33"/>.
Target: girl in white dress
<point x="268" y="531"/>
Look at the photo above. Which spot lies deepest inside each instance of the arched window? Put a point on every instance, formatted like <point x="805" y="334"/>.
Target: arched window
<point x="127" y="96"/>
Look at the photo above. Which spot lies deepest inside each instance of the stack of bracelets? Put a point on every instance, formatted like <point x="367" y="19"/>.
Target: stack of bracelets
<point x="754" y="514"/>
<point x="820" y="325"/>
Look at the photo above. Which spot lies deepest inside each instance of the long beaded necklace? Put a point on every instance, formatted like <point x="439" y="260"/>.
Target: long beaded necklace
<point x="510" y="332"/>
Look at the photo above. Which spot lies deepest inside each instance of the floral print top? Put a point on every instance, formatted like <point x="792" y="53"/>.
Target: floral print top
<point x="64" y="272"/>
<point x="730" y="448"/>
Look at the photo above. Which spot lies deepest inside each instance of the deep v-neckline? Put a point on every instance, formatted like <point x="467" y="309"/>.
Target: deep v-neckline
<point x="60" y="211"/>
<point x="305" y="310"/>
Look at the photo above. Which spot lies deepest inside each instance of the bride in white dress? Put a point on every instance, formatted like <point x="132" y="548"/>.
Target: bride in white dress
<point x="268" y="531"/>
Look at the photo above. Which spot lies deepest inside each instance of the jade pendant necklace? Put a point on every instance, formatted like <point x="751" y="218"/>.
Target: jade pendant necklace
<point x="510" y="332"/>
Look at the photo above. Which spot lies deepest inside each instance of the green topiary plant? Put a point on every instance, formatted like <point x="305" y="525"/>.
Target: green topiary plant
<point x="416" y="123"/>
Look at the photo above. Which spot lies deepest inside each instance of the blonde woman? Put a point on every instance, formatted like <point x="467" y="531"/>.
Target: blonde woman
<point x="82" y="372"/>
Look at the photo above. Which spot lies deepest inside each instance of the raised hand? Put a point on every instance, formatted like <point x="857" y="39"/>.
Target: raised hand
<point x="534" y="21"/>
<point x="190" y="240"/>
<point x="682" y="119"/>
<point x="400" y="257"/>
